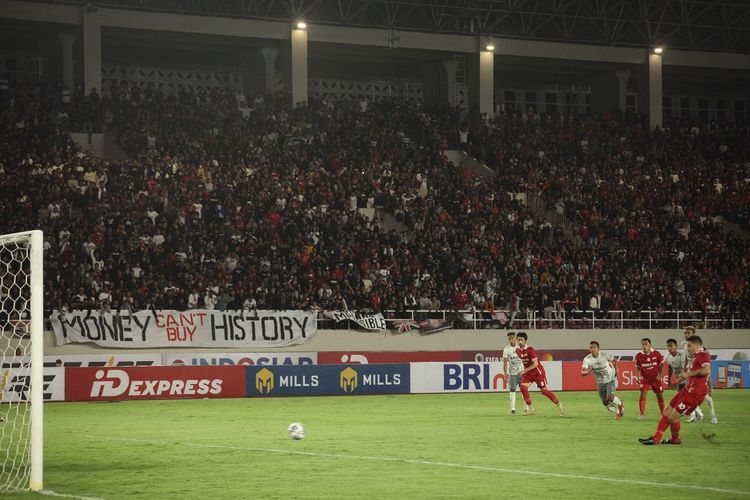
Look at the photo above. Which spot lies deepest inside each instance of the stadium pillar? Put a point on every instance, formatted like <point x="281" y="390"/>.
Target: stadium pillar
<point x="609" y="91"/>
<point x="269" y="56"/>
<point x="486" y="82"/>
<point x="450" y="74"/>
<point x="299" y="66"/>
<point x="435" y="83"/>
<point x="259" y="71"/>
<point x="654" y="90"/>
<point x="92" y="49"/>
<point x="604" y="92"/>
<point x="67" y="40"/>
<point x="622" y="89"/>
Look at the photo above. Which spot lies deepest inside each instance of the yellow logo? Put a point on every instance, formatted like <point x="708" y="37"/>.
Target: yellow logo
<point x="348" y="379"/>
<point x="264" y="381"/>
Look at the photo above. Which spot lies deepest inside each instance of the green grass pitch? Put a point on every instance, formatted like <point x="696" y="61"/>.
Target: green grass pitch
<point x="410" y="446"/>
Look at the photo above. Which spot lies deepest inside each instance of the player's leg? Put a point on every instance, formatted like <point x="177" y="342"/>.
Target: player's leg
<point x="619" y="407"/>
<point x="672" y="418"/>
<point x="695" y="416"/>
<point x="660" y="401"/>
<point x="642" y="400"/>
<point x="542" y="383"/>
<point x="515" y="383"/>
<point x="682" y="403"/>
<point x="606" y="397"/>
<point x="669" y="419"/>
<point x="658" y="389"/>
<point x="710" y="402"/>
<point x="527" y="398"/>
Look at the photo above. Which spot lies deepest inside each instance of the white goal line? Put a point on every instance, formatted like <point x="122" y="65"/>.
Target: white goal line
<point x="51" y="493"/>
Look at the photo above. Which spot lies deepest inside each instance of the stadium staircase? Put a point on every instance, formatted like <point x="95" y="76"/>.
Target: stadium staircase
<point x="385" y="220"/>
<point x="539" y="208"/>
<point x="730" y="227"/>
<point x="112" y="149"/>
<point x="93" y="143"/>
<point x="101" y="145"/>
<point x="460" y="159"/>
<point x="533" y="201"/>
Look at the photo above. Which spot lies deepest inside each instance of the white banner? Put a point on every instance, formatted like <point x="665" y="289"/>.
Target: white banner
<point x="237" y="358"/>
<point x="77" y="360"/>
<point x="366" y="321"/>
<point x="15" y="383"/>
<point x="472" y="377"/>
<point x="195" y="328"/>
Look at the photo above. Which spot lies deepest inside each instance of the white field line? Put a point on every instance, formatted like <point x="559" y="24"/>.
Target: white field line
<point x="425" y="462"/>
<point x="65" y="495"/>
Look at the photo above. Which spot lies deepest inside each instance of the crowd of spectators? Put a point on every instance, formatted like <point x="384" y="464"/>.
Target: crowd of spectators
<point x="236" y="203"/>
<point x="647" y="207"/>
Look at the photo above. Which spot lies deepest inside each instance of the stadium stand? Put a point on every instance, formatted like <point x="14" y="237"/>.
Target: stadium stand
<point x="231" y="203"/>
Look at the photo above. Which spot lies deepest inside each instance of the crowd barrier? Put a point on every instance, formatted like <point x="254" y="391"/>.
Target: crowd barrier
<point x="116" y="383"/>
<point x="198" y="358"/>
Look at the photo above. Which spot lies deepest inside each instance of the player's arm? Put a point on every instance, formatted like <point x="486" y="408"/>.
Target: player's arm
<point x="638" y="373"/>
<point x="613" y="361"/>
<point x="532" y="366"/>
<point x="505" y="365"/>
<point x="703" y="371"/>
<point x="585" y="368"/>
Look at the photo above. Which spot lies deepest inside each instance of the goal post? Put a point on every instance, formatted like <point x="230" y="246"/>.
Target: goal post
<point x="22" y="356"/>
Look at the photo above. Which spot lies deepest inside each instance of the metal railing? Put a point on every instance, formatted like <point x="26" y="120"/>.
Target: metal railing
<point x="476" y="319"/>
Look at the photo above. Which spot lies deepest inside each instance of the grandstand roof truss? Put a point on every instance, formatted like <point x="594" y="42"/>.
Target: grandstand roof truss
<point x="721" y="25"/>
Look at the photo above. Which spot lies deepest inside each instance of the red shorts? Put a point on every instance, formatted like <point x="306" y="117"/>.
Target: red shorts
<point x="654" y="385"/>
<point x="540" y="379"/>
<point x="685" y="402"/>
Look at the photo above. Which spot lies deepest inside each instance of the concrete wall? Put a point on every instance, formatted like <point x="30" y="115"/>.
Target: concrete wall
<point x="341" y="340"/>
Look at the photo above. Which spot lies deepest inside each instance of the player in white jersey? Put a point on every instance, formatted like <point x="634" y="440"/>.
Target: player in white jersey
<point x="697" y="415"/>
<point x="604" y="367"/>
<point x="676" y="360"/>
<point x="512" y="368"/>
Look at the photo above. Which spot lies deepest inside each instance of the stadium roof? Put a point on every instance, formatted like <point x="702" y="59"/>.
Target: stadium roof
<point x="714" y="25"/>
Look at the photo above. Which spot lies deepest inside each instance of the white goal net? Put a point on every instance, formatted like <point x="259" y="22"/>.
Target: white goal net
<point x="21" y="362"/>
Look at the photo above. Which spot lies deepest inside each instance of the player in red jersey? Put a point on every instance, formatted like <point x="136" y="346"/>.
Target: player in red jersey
<point x="689" y="398"/>
<point x="533" y="371"/>
<point x="648" y="363"/>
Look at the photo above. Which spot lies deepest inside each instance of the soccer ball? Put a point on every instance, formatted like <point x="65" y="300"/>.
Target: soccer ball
<point x="296" y="431"/>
